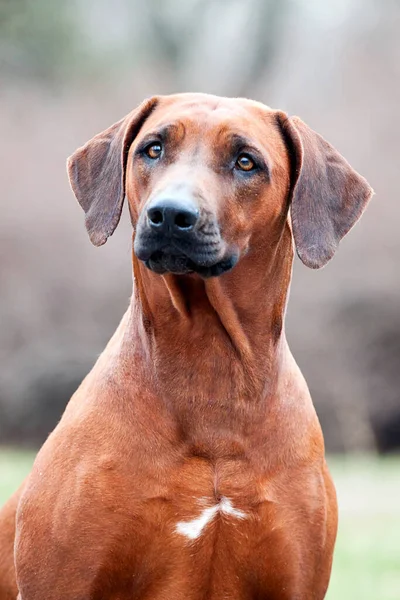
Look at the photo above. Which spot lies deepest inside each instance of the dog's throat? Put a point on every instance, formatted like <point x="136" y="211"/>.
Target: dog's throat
<point x="220" y="334"/>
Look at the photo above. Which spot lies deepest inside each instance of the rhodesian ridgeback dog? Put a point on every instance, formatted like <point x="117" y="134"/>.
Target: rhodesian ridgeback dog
<point x="190" y="465"/>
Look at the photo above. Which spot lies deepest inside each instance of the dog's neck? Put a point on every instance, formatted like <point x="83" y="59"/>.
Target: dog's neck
<point x="221" y="337"/>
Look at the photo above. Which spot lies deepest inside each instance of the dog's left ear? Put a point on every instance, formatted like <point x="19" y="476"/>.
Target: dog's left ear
<point x="97" y="173"/>
<point x="327" y="195"/>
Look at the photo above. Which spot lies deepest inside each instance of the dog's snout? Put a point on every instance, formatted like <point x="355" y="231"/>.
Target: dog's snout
<point x="172" y="216"/>
<point x="174" y="234"/>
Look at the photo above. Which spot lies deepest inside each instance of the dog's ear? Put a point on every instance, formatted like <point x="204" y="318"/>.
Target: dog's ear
<point x="327" y="195"/>
<point x="97" y="173"/>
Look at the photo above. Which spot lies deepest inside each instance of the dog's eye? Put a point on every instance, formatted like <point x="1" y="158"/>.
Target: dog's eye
<point x="154" y="150"/>
<point x="244" y="162"/>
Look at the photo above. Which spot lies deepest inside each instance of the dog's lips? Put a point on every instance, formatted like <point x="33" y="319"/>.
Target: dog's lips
<point x="163" y="262"/>
<point x="179" y="264"/>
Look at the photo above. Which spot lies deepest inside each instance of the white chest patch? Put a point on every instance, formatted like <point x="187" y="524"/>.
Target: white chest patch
<point x="193" y="529"/>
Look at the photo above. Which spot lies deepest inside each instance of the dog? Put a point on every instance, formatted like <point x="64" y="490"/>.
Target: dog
<point x="190" y="464"/>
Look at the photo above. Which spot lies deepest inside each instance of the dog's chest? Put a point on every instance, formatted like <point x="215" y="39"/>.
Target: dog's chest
<point x="217" y="529"/>
<point x="198" y="529"/>
<point x="204" y="527"/>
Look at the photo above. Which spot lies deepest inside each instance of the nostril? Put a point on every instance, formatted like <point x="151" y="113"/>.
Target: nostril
<point x="184" y="220"/>
<point x="155" y="217"/>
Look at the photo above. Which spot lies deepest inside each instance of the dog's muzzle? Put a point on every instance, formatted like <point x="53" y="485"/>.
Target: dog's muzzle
<point x="174" y="236"/>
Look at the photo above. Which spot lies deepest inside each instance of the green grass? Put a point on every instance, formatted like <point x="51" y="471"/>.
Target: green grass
<point x="367" y="555"/>
<point x="14" y="467"/>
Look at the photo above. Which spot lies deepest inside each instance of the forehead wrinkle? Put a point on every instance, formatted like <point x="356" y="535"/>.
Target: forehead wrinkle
<point x="167" y="130"/>
<point x="236" y="139"/>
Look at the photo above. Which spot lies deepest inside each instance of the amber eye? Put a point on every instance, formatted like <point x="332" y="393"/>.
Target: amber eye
<point x="245" y="163"/>
<point x="154" y="150"/>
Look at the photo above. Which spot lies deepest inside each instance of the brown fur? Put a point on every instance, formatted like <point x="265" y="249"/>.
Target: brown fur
<point x="197" y="396"/>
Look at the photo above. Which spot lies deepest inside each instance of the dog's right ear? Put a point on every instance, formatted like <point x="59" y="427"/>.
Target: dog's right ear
<point x="97" y="172"/>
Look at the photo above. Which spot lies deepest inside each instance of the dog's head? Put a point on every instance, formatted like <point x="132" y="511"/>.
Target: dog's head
<point x="209" y="179"/>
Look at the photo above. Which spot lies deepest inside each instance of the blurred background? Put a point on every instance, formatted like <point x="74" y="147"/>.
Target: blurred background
<point x="69" y="69"/>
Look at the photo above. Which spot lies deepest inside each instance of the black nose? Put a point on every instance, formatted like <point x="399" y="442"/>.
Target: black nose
<point x="173" y="216"/>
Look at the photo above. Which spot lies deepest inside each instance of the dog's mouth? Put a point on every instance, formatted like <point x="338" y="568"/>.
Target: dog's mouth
<point x="184" y="250"/>
<point x="165" y="261"/>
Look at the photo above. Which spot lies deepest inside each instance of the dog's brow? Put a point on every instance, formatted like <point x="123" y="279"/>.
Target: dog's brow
<point x="239" y="141"/>
<point x="165" y="132"/>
